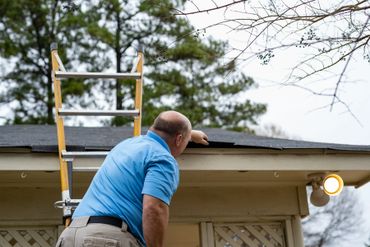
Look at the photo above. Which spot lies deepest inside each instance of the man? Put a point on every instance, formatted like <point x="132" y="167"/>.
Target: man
<point x="127" y="203"/>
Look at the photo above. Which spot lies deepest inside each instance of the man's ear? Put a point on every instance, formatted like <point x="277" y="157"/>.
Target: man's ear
<point x="178" y="140"/>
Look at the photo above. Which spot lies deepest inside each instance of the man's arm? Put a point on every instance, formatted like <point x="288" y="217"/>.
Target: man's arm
<point x="200" y="137"/>
<point x="155" y="220"/>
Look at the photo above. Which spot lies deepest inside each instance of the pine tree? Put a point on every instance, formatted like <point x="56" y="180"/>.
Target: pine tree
<point x="27" y="28"/>
<point x="184" y="70"/>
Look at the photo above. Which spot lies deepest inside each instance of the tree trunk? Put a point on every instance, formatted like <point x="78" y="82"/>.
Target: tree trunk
<point x="119" y="95"/>
<point x="50" y="100"/>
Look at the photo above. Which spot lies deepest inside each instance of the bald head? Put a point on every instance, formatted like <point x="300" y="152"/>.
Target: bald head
<point x="172" y="123"/>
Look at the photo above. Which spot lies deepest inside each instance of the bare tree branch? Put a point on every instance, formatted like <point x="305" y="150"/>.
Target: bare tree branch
<point x="332" y="33"/>
<point x="210" y="9"/>
<point x="346" y="65"/>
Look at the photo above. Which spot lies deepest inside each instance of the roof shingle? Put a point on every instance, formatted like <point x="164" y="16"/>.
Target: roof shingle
<point x="43" y="138"/>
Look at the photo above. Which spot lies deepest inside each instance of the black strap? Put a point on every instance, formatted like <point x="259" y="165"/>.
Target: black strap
<point x="109" y="220"/>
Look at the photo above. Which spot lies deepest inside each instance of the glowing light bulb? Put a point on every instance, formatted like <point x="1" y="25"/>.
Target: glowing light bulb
<point x="333" y="184"/>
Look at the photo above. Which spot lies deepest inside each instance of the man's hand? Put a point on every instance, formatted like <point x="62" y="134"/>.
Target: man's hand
<point x="155" y="220"/>
<point x="200" y="137"/>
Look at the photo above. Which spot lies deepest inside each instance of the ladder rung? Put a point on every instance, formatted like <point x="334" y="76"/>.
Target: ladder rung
<point x="87" y="154"/>
<point x="73" y="203"/>
<point x="63" y="112"/>
<point x="63" y="74"/>
<point x="86" y="169"/>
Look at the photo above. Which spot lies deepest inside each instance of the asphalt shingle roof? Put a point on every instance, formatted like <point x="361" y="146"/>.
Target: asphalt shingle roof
<point x="43" y="138"/>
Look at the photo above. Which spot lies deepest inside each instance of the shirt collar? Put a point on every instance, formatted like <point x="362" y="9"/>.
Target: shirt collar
<point x="158" y="139"/>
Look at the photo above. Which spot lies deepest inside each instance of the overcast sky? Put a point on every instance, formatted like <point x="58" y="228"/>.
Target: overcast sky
<point x="298" y="112"/>
<point x="295" y="110"/>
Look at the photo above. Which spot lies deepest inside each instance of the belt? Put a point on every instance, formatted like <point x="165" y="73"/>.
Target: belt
<point x="109" y="220"/>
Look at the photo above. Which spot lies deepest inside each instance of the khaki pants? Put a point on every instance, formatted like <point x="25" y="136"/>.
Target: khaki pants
<point x="81" y="234"/>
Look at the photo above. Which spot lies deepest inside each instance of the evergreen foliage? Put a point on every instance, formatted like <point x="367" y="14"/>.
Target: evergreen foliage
<point x="27" y="29"/>
<point x="184" y="71"/>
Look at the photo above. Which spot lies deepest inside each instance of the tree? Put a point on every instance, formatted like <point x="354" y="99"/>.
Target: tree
<point x="337" y="222"/>
<point x="332" y="33"/>
<point x="274" y="131"/>
<point x="182" y="73"/>
<point x="27" y="29"/>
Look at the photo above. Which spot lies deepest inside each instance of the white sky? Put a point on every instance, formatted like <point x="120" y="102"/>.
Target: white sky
<point x="296" y="110"/>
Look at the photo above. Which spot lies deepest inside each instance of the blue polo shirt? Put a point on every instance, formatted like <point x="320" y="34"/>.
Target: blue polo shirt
<point x="136" y="166"/>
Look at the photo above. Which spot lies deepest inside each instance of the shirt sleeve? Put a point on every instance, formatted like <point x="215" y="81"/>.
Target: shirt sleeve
<point x="161" y="180"/>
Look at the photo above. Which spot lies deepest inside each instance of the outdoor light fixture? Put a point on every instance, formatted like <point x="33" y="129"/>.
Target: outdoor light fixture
<point x="332" y="184"/>
<point x="318" y="197"/>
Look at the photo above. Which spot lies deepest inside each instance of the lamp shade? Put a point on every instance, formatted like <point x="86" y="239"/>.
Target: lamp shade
<point x="318" y="197"/>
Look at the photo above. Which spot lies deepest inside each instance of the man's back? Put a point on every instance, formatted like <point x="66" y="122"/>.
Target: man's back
<point x="133" y="187"/>
<point x="136" y="166"/>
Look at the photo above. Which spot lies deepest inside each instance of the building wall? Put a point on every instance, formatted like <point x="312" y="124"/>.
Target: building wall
<point x="30" y="203"/>
<point x="26" y="208"/>
<point x="210" y="206"/>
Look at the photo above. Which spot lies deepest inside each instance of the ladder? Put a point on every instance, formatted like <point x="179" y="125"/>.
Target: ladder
<point x="66" y="157"/>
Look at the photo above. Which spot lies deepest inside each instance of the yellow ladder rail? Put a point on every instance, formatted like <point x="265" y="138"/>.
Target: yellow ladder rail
<point x="139" y="93"/>
<point x="60" y="132"/>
